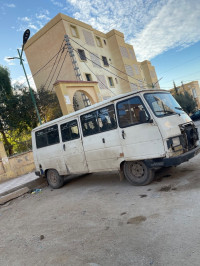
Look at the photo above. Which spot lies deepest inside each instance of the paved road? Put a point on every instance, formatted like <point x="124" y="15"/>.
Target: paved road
<point x="97" y="220"/>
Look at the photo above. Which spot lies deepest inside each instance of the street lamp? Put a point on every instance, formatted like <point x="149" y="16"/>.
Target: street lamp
<point x="25" y="39"/>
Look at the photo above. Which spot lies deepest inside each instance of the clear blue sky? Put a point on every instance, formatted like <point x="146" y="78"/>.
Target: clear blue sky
<point x="166" y="32"/>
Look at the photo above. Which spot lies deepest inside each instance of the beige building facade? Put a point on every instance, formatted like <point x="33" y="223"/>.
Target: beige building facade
<point x="192" y="88"/>
<point x="104" y="58"/>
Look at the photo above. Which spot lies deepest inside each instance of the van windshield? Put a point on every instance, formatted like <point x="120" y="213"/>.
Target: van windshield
<point x="163" y="104"/>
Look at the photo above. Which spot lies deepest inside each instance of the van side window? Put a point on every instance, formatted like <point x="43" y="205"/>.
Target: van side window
<point x="69" y="131"/>
<point x="47" y="136"/>
<point x="89" y="124"/>
<point x="107" y="118"/>
<point x="129" y="111"/>
<point x="101" y="120"/>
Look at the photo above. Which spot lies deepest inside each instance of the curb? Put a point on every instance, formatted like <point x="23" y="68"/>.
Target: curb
<point x="30" y="185"/>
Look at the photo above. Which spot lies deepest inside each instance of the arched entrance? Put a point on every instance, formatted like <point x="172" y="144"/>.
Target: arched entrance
<point x="75" y="95"/>
<point x="80" y="100"/>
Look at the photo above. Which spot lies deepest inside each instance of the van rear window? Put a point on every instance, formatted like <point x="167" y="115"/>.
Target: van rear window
<point x="47" y="136"/>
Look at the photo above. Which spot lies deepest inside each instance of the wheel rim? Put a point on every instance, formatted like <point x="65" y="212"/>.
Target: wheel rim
<point x="52" y="177"/>
<point x="137" y="170"/>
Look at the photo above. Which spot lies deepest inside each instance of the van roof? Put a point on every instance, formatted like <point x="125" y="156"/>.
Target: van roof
<point x="86" y="109"/>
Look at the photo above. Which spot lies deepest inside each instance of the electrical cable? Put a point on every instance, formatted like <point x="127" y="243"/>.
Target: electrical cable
<point x="105" y="68"/>
<point x="43" y="66"/>
<point x="61" y="67"/>
<point x="109" y="64"/>
<point x="179" y="65"/>
<point x="56" y="68"/>
<point x="100" y="80"/>
<point x="53" y="64"/>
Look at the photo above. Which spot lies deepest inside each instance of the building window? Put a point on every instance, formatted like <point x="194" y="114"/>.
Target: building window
<point x="98" y="41"/>
<point x="111" y="83"/>
<point x="104" y="42"/>
<point x="116" y="80"/>
<point x="88" y="77"/>
<point x="74" y="31"/>
<point x="82" y="54"/>
<point x="105" y="61"/>
<point x="86" y="100"/>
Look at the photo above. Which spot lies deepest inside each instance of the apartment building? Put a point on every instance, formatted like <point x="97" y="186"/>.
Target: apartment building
<point x="104" y="58"/>
<point x="192" y="88"/>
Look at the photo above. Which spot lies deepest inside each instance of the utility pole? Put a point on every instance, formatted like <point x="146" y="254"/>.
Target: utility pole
<point x="73" y="58"/>
<point x="25" y="39"/>
<point x="31" y="92"/>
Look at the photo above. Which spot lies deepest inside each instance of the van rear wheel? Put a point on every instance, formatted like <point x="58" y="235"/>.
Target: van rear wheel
<point x="54" y="179"/>
<point x="137" y="173"/>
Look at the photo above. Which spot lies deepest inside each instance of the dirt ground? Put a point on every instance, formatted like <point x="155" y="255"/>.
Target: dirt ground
<point x="96" y="220"/>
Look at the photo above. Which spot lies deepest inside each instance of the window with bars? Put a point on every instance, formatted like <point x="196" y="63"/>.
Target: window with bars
<point x="88" y="77"/>
<point x="111" y="83"/>
<point x="105" y="61"/>
<point x="82" y="54"/>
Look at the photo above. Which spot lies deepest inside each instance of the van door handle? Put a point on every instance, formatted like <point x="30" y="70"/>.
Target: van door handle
<point x="64" y="147"/>
<point x="123" y="134"/>
<point x="103" y="140"/>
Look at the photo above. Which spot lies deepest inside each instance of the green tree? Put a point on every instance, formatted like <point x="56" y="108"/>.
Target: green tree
<point x="186" y="101"/>
<point x="17" y="113"/>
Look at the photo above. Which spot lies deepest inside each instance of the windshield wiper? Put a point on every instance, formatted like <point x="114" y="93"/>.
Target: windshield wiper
<point x="178" y="108"/>
<point x="166" y="112"/>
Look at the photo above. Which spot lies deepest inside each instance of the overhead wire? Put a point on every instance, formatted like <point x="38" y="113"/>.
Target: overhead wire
<point x="61" y="48"/>
<point x="43" y="66"/>
<point x="179" y="65"/>
<point x="110" y="65"/>
<point x="56" y="67"/>
<point x="100" y="80"/>
<point x="104" y="68"/>
<point x="61" y="67"/>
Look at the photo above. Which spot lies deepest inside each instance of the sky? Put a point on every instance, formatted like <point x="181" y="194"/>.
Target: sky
<point x="166" y="32"/>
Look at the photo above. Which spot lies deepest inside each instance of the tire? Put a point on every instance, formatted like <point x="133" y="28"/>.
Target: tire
<point x="54" y="179"/>
<point x="137" y="173"/>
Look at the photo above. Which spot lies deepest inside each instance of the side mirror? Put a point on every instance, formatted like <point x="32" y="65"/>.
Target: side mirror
<point x="143" y="117"/>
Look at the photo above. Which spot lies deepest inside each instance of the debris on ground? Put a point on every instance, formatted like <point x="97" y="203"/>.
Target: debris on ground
<point x="167" y="188"/>
<point x="143" y="196"/>
<point x="136" y="220"/>
<point x="41" y="237"/>
<point x="35" y="191"/>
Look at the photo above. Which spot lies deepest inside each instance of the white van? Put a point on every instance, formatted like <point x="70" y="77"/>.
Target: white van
<point x="134" y="133"/>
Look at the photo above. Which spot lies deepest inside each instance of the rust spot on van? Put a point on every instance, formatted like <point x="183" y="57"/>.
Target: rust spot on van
<point x="121" y="154"/>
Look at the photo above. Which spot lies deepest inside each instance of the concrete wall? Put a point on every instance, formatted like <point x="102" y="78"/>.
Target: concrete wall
<point x="16" y="165"/>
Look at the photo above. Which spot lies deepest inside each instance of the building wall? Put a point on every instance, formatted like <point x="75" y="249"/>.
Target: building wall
<point x="192" y="88"/>
<point x="46" y="43"/>
<point x="16" y="165"/>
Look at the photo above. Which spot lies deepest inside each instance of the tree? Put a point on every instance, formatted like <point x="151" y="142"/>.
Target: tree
<point x="186" y="101"/>
<point x="48" y="105"/>
<point x="17" y="113"/>
<point x="7" y="101"/>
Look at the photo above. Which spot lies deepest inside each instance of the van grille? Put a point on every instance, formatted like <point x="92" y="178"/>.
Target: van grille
<point x="189" y="136"/>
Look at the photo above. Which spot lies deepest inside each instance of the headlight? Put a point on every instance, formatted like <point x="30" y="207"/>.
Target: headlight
<point x="176" y="141"/>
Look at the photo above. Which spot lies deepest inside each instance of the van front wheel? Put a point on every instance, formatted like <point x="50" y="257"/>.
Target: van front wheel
<point x="137" y="173"/>
<point x="54" y="179"/>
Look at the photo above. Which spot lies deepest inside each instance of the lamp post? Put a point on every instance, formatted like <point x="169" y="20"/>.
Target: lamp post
<point x="25" y="39"/>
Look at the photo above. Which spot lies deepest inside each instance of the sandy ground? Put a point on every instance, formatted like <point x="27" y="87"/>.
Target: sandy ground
<point x="98" y="220"/>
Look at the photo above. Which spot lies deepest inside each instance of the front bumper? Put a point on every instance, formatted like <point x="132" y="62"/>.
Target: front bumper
<point x="172" y="161"/>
